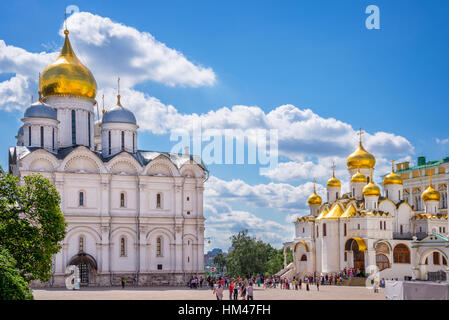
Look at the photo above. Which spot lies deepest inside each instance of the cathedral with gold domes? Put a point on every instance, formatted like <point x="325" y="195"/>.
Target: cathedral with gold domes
<point x="131" y="213"/>
<point x="365" y="228"/>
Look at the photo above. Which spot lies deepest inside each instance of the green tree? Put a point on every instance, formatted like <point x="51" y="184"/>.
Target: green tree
<point x="12" y="285"/>
<point x="31" y="224"/>
<point x="248" y="256"/>
<point x="220" y="261"/>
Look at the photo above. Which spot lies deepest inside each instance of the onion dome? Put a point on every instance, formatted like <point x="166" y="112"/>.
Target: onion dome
<point x="40" y="110"/>
<point x="430" y="194"/>
<point x="119" y="114"/>
<point x="314" y="199"/>
<point x="371" y="189"/>
<point x="67" y="76"/>
<point x="361" y="158"/>
<point x="392" y="178"/>
<point x="359" y="178"/>
<point x="333" y="182"/>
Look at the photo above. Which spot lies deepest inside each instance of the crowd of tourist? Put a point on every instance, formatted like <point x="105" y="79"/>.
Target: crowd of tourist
<point x="242" y="288"/>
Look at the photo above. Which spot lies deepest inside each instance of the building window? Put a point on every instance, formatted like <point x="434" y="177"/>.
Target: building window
<point x="353" y="192"/>
<point x="336" y="195"/>
<point x="158" y="201"/>
<point x="399" y="195"/>
<point x="436" y="258"/>
<point x="88" y="127"/>
<point x="346" y="256"/>
<point x="188" y="198"/>
<point x="109" y="142"/>
<point x="420" y="229"/>
<point x="188" y="212"/>
<point x="401" y="229"/>
<point x="317" y="233"/>
<point x="380" y="225"/>
<point x="303" y="230"/>
<point x="444" y="261"/>
<point x="324" y="229"/>
<point x="42" y="137"/>
<point x="401" y="254"/>
<point x="73" y="127"/>
<point x="344" y="230"/>
<point x="123" y="140"/>
<point x="53" y="139"/>
<point x="122" y="199"/>
<point x="387" y="193"/>
<point x="303" y="257"/>
<point x="122" y="247"/>
<point x="29" y="135"/>
<point x="159" y="247"/>
<point x="385" y="225"/>
<point x="358" y="226"/>
<point x="159" y="266"/>
<point x="134" y="142"/>
<point x="188" y="259"/>
<point x="81" y="199"/>
<point x="81" y="244"/>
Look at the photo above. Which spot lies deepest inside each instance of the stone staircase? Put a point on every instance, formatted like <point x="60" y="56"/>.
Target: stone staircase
<point x="354" y="282"/>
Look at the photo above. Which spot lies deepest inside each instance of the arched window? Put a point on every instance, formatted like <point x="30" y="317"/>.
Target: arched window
<point x="122" y="247"/>
<point x="436" y="258"/>
<point x="122" y="199"/>
<point x="81" y="244"/>
<point x="42" y="137"/>
<point x="303" y="257"/>
<point x="81" y="199"/>
<point x="73" y="127"/>
<point x="401" y="254"/>
<point x="159" y="247"/>
<point x="444" y="261"/>
<point x="158" y="200"/>
<point x="382" y="262"/>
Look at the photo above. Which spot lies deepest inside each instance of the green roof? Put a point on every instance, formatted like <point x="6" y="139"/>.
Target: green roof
<point x="429" y="164"/>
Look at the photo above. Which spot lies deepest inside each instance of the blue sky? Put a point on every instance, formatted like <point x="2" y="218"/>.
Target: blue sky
<point x="314" y="55"/>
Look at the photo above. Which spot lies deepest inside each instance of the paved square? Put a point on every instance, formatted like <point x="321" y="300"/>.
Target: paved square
<point x="177" y="293"/>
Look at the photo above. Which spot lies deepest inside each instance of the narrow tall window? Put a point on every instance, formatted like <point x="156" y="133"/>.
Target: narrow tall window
<point x="53" y="139"/>
<point x="401" y="229"/>
<point x="436" y="258"/>
<point x="122" y="247"/>
<point x="324" y="229"/>
<point x="159" y="247"/>
<point x="81" y="199"/>
<point x="109" y="141"/>
<point x="81" y="244"/>
<point x="88" y="127"/>
<point x="346" y="256"/>
<point x="42" y="137"/>
<point x="122" y="200"/>
<point x="123" y="140"/>
<point x="353" y="192"/>
<point x="134" y="142"/>
<point x="385" y="225"/>
<point x="381" y="225"/>
<point x="336" y="195"/>
<point x="73" y="127"/>
<point x="29" y="135"/>
<point x="387" y="193"/>
<point x="158" y="200"/>
<point x="317" y="233"/>
<point x="344" y="229"/>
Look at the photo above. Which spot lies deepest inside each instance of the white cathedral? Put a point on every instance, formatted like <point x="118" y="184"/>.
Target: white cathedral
<point x="131" y="213"/>
<point x="364" y="228"/>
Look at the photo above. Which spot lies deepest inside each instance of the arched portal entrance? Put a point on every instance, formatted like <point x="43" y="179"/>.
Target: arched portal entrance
<point x="358" y="247"/>
<point x="87" y="267"/>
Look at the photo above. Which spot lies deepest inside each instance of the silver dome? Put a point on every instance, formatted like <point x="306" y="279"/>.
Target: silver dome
<point x="40" y="110"/>
<point x="119" y="114"/>
<point x="20" y="132"/>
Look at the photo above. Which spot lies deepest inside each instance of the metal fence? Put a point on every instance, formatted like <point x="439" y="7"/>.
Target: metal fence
<point x="436" y="276"/>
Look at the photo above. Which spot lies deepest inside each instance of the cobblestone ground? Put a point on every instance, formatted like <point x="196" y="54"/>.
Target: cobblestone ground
<point x="173" y="293"/>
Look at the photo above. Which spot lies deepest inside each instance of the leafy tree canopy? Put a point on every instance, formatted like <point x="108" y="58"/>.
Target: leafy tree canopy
<point x="31" y="224"/>
<point x="12" y="284"/>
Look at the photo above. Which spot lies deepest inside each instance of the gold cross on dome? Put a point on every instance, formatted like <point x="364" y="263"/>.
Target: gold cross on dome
<point x="360" y="134"/>
<point x="392" y="164"/>
<point x="333" y="168"/>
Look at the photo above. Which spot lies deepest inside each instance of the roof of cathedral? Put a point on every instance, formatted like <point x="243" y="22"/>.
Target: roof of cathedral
<point x="142" y="156"/>
<point x="40" y="110"/>
<point x="426" y="216"/>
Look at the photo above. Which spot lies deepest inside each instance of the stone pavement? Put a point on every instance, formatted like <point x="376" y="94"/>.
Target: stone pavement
<point x="177" y="293"/>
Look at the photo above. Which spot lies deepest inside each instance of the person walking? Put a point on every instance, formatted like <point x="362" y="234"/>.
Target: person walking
<point x="250" y="291"/>
<point x="236" y="290"/>
<point x="307" y="285"/>
<point x="123" y="283"/>
<point x="231" y="290"/>
<point x="243" y="291"/>
<point x="300" y="284"/>
<point x="318" y="286"/>
<point x="219" y="292"/>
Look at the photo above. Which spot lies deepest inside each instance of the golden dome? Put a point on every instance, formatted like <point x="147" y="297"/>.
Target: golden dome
<point x="333" y="182"/>
<point x="314" y="199"/>
<point x="361" y="158"/>
<point x="371" y="189"/>
<point x="359" y="178"/>
<point x="392" y="178"/>
<point x="430" y="194"/>
<point x="67" y="76"/>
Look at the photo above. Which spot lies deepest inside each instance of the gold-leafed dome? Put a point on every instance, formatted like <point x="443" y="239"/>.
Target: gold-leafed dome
<point x="333" y="182"/>
<point x="430" y="194"/>
<point x="67" y="76"/>
<point x="371" y="189"/>
<point x="392" y="178"/>
<point x="314" y="199"/>
<point x="361" y="158"/>
<point x="359" y="178"/>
